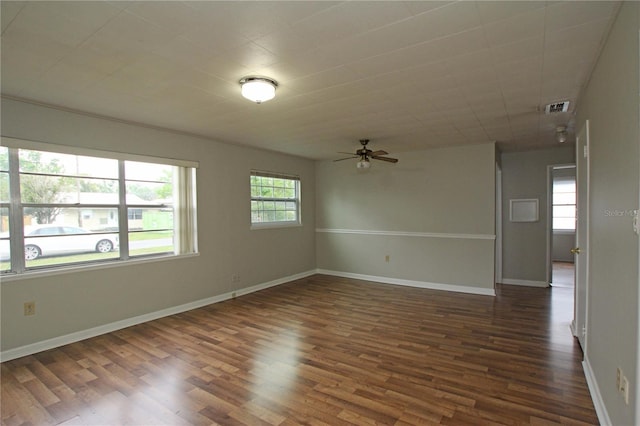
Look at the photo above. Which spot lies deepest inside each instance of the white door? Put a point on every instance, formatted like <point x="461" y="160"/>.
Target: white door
<point x="498" y="244"/>
<point x="581" y="251"/>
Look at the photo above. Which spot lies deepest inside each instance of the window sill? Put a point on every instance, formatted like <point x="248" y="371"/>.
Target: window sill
<point x="563" y="232"/>
<point x="275" y="225"/>
<point x="9" y="277"/>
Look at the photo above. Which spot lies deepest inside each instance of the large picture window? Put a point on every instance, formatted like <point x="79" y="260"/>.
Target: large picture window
<point x="275" y="199"/>
<point x="63" y="208"/>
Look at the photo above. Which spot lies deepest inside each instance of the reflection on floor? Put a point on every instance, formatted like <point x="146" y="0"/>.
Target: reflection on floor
<point x="563" y="274"/>
<point x="320" y="350"/>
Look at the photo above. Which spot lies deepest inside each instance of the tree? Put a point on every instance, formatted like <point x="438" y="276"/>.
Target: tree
<point x="101" y="186"/>
<point x="150" y="193"/>
<point x="42" y="188"/>
<point x="166" y="190"/>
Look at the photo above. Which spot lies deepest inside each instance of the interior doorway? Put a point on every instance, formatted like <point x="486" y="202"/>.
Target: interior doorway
<point x="563" y="274"/>
<point x="562" y="225"/>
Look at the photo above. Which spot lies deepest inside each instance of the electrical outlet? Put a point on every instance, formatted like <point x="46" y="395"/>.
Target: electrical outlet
<point x="624" y="388"/>
<point x="386" y="258"/>
<point x="29" y="308"/>
<point x="235" y="278"/>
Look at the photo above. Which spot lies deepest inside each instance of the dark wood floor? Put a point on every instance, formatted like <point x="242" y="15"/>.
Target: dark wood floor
<point x="321" y="350"/>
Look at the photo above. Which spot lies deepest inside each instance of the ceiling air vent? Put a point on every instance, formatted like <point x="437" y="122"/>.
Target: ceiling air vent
<point x="562" y="106"/>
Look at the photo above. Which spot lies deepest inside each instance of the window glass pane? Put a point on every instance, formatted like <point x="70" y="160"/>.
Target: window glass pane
<point x="564" y="198"/>
<point x="4" y="158"/>
<point x="564" y="185"/>
<point x="36" y="189"/>
<point x="150" y="172"/>
<point x="4" y="174"/>
<point x="149" y="193"/>
<point x="45" y="189"/>
<point x="564" y="211"/>
<point x="150" y="219"/>
<point x="76" y="236"/>
<point x="150" y="242"/>
<point x="90" y="218"/>
<point x="67" y="164"/>
<point x="564" y="223"/>
<point x="5" y="254"/>
<point x="4" y="187"/>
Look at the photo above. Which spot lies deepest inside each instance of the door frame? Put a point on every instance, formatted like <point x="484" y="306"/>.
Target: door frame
<point x="581" y="330"/>
<point x="498" y="240"/>
<point x="550" y="169"/>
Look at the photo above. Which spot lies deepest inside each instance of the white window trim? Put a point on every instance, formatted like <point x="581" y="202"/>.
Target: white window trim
<point x="85" y="267"/>
<point x="89" y="152"/>
<point x="271" y="225"/>
<point x="563" y="232"/>
<point x="115" y="262"/>
<point x="278" y="224"/>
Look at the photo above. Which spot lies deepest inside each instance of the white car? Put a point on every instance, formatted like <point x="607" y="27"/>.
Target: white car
<point x="45" y="240"/>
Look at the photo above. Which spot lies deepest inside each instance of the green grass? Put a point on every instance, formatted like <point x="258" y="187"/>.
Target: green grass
<point x="153" y="235"/>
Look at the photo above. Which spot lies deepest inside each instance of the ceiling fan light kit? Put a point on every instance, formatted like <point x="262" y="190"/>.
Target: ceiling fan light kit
<point x="258" y="89"/>
<point x="561" y="134"/>
<point x="363" y="164"/>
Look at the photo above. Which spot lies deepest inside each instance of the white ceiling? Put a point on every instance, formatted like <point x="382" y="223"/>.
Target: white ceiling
<point x="408" y="75"/>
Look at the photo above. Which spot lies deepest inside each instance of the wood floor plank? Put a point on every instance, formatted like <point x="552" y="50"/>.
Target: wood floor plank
<point x="320" y="351"/>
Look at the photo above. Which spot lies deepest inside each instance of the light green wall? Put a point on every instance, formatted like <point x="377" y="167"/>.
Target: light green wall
<point x="73" y="302"/>
<point x="427" y="195"/>
<point x="524" y="175"/>
<point x="610" y="103"/>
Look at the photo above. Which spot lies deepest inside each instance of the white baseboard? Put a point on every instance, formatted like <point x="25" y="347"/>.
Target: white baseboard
<point x="411" y="283"/>
<point x="527" y="283"/>
<point x="596" y="396"/>
<point x="118" y="325"/>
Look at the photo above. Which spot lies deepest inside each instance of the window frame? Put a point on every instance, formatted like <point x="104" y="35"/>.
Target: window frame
<point x="297" y="200"/>
<point x="16" y="208"/>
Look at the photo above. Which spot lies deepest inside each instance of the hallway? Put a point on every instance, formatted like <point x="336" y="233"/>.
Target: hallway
<point x="563" y="274"/>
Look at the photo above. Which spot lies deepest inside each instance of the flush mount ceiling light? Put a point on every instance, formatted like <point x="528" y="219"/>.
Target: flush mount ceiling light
<point x="561" y="134"/>
<point x="258" y="89"/>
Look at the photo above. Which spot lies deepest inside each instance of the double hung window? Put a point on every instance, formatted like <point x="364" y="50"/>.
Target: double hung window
<point x="62" y="205"/>
<point x="564" y="204"/>
<point x="275" y="199"/>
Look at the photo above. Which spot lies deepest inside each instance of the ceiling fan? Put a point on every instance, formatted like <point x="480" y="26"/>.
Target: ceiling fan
<point x="364" y="154"/>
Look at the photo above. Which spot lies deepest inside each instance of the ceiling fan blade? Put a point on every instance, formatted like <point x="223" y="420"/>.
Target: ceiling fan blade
<point x="376" y="153"/>
<point x="348" y="153"/>
<point x="387" y="159"/>
<point x="348" y="158"/>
